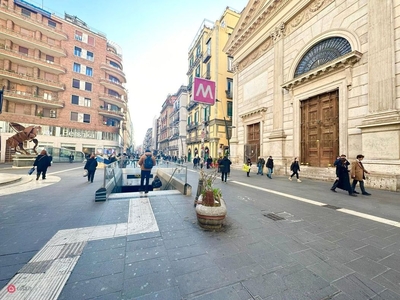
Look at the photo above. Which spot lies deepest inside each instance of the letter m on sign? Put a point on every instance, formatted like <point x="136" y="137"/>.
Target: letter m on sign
<point x="204" y="91"/>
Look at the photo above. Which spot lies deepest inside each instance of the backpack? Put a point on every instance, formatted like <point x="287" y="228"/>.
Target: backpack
<point x="148" y="162"/>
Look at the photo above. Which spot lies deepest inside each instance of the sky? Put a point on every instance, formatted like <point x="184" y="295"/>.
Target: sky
<point x="155" y="36"/>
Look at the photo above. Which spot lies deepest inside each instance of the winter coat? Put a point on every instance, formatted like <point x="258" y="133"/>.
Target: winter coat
<point x="270" y="163"/>
<point x="225" y="165"/>
<point x="343" y="174"/>
<point x="42" y="162"/>
<point x="357" y="171"/>
<point x="91" y="164"/>
<point x="295" y="167"/>
<point x="142" y="158"/>
<point x="248" y="162"/>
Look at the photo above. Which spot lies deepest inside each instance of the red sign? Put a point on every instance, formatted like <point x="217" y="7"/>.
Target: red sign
<point x="204" y="91"/>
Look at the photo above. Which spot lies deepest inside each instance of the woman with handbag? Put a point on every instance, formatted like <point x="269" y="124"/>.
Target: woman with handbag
<point x="42" y="162"/>
<point x="90" y="166"/>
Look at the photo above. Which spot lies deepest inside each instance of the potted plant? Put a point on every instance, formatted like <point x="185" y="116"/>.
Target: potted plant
<point x="210" y="206"/>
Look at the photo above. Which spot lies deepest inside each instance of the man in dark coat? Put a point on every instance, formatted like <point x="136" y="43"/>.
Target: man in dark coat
<point x="225" y="168"/>
<point x="270" y="166"/>
<point x="42" y="162"/>
<point x="90" y="166"/>
<point x="337" y="164"/>
<point x="342" y="173"/>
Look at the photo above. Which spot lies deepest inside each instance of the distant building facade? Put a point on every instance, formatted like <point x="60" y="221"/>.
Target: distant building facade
<point x="60" y="74"/>
<point x="316" y="79"/>
<point x="207" y="126"/>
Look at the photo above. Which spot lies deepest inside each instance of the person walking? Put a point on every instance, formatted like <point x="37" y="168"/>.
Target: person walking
<point x="42" y="162"/>
<point x="248" y="162"/>
<point x="225" y="168"/>
<point x="71" y="158"/>
<point x="343" y="178"/>
<point x="90" y="166"/>
<point x="295" y="168"/>
<point x="260" y="166"/>
<point x="270" y="166"/>
<point x="358" y="175"/>
<point x="146" y="163"/>
<point x="337" y="164"/>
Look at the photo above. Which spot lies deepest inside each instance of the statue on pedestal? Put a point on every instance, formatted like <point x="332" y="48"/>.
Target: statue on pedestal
<point x="23" y="134"/>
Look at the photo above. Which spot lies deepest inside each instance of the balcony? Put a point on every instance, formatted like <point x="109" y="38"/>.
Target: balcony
<point x="118" y="101"/>
<point x="112" y="85"/>
<point x="207" y="75"/>
<point x="29" y="80"/>
<point x="192" y="105"/>
<point x="114" y="55"/>
<point x="113" y="71"/>
<point x="196" y="62"/>
<point x="229" y="94"/>
<point x="207" y="55"/>
<point x="192" y="126"/>
<point x="27" y="98"/>
<point x="30" y="42"/>
<point x="24" y="21"/>
<point x="115" y="114"/>
<point x="30" y="61"/>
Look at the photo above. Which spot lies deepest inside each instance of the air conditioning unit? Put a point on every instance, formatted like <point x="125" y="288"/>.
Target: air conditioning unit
<point x="52" y="113"/>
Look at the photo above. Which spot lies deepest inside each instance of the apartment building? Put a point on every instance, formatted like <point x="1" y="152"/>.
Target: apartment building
<point x="208" y="127"/>
<point x="64" y="76"/>
<point x="164" y="126"/>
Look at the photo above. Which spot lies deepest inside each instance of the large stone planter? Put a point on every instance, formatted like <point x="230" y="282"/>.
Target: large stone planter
<point x="210" y="217"/>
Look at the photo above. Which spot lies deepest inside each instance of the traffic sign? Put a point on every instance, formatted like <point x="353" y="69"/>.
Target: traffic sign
<point x="204" y="91"/>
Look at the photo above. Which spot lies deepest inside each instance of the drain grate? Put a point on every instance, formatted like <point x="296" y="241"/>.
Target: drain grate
<point x="274" y="217"/>
<point x="331" y="206"/>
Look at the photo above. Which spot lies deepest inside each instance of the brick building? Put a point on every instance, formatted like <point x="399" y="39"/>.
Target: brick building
<point x="64" y="76"/>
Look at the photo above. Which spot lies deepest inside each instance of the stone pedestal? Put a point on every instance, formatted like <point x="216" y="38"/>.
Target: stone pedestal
<point x="23" y="160"/>
<point x="211" y="217"/>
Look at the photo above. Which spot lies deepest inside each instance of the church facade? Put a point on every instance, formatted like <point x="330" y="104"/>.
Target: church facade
<point x="315" y="79"/>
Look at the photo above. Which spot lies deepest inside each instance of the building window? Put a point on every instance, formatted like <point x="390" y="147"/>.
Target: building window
<point x="113" y="79"/>
<point x="78" y="35"/>
<point x="229" y="85"/>
<point x="23" y="50"/>
<point x="88" y="86"/>
<point x="113" y="93"/>
<point x="75" y="99"/>
<point x="77" y="51"/>
<point x="89" y="55"/>
<point x="49" y="58"/>
<point x="87" y="102"/>
<point x="230" y="108"/>
<point x="86" y="118"/>
<point x="74" y="116"/>
<point x="51" y="23"/>
<point x="91" y="40"/>
<point x="230" y="63"/>
<point x="197" y="74"/>
<point x="198" y="50"/>
<point x="25" y="12"/>
<point x="89" y="71"/>
<point x="115" y="65"/>
<point x="75" y="83"/>
<point x="77" y="68"/>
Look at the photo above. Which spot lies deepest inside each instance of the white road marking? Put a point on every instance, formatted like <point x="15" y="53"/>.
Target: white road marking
<point x="45" y="275"/>
<point x="343" y="210"/>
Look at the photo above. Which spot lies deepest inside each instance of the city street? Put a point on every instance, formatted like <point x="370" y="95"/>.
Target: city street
<point x="281" y="240"/>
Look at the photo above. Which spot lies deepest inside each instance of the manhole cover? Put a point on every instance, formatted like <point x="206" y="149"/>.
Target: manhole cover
<point x="274" y="217"/>
<point x="331" y="206"/>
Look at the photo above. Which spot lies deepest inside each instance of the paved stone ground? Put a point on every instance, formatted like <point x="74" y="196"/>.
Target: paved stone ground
<point x="315" y="252"/>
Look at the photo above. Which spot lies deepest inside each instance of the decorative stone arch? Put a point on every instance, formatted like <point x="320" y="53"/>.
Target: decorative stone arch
<point x="336" y="33"/>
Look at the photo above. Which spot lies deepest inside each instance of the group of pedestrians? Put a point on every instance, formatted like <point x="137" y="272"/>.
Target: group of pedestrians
<point x="357" y="173"/>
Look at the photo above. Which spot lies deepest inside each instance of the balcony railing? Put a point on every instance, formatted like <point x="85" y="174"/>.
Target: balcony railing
<point x="28" y="98"/>
<point x="21" y="20"/>
<point x="31" y="61"/>
<point x="27" y="79"/>
<point x="207" y="55"/>
<point x="207" y="75"/>
<point x="113" y="85"/>
<point x="115" y="70"/>
<point x="228" y="94"/>
<point x="119" y="101"/>
<point x="192" y="126"/>
<point x="30" y="42"/>
<point x="111" y="113"/>
<point x="192" y="105"/>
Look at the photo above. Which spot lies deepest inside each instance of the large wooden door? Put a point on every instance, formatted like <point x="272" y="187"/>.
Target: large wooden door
<point x="320" y="129"/>
<point x="252" y="148"/>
